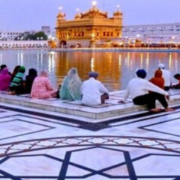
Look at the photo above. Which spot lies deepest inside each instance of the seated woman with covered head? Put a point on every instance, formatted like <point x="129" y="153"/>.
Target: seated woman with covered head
<point x="41" y="88"/>
<point x="71" y="86"/>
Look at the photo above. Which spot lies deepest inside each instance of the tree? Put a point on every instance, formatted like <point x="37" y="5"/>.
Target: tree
<point x="41" y="35"/>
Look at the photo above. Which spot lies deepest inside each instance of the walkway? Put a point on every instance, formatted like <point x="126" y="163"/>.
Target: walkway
<point x="36" y="145"/>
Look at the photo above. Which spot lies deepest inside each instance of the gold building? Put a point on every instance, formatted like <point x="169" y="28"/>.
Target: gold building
<point x="88" y="29"/>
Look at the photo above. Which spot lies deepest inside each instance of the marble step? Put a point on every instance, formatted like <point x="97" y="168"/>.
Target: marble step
<point x="111" y="109"/>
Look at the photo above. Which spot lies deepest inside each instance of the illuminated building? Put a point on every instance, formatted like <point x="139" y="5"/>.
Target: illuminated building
<point x="88" y="29"/>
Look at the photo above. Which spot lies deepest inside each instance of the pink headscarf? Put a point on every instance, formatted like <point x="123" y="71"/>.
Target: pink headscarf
<point x="5" y="80"/>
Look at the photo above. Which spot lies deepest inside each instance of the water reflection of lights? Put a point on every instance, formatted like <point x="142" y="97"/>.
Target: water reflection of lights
<point x="120" y="59"/>
<point x="147" y="61"/>
<point x="92" y="64"/>
<point x="52" y="53"/>
<point x="176" y="66"/>
<point x="20" y="58"/>
<point x="1" y="57"/>
<point x="128" y="60"/>
<point x="170" y="61"/>
<point x="141" y="60"/>
<point x="51" y="61"/>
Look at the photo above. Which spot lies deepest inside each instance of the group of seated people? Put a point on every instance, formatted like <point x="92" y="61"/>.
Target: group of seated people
<point x="16" y="82"/>
<point x="144" y="92"/>
<point x="91" y="92"/>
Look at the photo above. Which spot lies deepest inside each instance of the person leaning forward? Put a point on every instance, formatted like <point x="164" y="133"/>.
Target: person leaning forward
<point x="138" y="88"/>
<point x="93" y="91"/>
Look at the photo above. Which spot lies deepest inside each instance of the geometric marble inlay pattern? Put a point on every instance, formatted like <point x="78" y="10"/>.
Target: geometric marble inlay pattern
<point x="34" y="147"/>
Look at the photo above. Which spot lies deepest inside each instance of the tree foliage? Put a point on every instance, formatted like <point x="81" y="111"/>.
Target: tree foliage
<point x="32" y="36"/>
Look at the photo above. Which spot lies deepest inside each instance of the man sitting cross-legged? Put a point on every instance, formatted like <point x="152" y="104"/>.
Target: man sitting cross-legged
<point x="93" y="91"/>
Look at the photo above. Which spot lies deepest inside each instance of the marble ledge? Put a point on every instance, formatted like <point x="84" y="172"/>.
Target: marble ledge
<point x="112" y="110"/>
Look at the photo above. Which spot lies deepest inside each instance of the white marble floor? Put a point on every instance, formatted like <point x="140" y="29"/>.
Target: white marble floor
<point x="137" y="147"/>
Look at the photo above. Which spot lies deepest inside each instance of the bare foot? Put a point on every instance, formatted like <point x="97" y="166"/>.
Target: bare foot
<point x="169" y="109"/>
<point x="155" y="110"/>
<point x="11" y="93"/>
<point x="121" y="102"/>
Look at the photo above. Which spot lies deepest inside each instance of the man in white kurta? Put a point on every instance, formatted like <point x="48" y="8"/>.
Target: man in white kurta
<point x="93" y="91"/>
<point x="167" y="77"/>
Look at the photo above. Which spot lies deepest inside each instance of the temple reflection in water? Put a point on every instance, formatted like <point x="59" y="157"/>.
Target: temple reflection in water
<point x="106" y="64"/>
<point x="115" y="69"/>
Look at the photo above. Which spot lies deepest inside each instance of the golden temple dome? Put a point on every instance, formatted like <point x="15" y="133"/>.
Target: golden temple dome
<point x="61" y="16"/>
<point x="78" y="15"/>
<point x="94" y="12"/>
<point x="118" y="13"/>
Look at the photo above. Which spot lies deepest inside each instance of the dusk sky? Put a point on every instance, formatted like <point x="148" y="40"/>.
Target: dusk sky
<point x="20" y="15"/>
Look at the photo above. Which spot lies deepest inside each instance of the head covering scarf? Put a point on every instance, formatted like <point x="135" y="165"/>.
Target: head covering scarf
<point x="71" y="86"/>
<point x="5" y="80"/>
<point x="15" y="71"/>
<point x="43" y="73"/>
<point x="22" y="69"/>
<point x="158" y="80"/>
<point x="30" y="79"/>
<point x="3" y="66"/>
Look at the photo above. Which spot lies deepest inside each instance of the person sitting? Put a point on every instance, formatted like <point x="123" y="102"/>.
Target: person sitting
<point x="5" y="79"/>
<point x="93" y="91"/>
<point x="158" y="80"/>
<point x="71" y="86"/>
<point x="177" y="85"/>
<point x="17" y="85"/>
<point x="167" y="77"/>
<point x="15" y="71"/>
<point x="30" y="79"/>
<point x="41" y="88"/>
<point x="2" y="67"/>
<point x="138" y="88"/>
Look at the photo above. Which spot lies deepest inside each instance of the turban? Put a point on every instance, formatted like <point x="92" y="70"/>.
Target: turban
<point x="93" y="74"/>
<point x="141" y="73"/>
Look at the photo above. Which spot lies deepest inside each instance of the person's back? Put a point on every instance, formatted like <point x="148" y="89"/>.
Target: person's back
<point x="17" y="85"/>
<point x="30" y="79"/>
<point x="5" y="80"/>
<point x="137" y="87"/>
<point x="167" y="77"/>
<point x="158" y="80"/>
<point x="92" y="91"/>
<point x="41" y="88"/>
<point x="71" y="86"/>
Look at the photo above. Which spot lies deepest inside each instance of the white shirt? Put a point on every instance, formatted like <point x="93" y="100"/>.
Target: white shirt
<point x="138" y="87"/>
<point x="167" y="77"/>
<point x="91" y="90"/>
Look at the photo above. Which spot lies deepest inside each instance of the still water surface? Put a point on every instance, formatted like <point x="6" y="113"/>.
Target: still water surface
<point x="115" y="68"/>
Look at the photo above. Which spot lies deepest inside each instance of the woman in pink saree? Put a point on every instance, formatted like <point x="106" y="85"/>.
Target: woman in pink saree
<point x="41" y="88"/>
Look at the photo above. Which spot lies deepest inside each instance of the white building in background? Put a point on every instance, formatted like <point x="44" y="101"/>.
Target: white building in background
<point x="46" y="29"/>
<point x="23" y="44"/>
<point x="153" y="33"/>
<point x="9" y="35"/>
